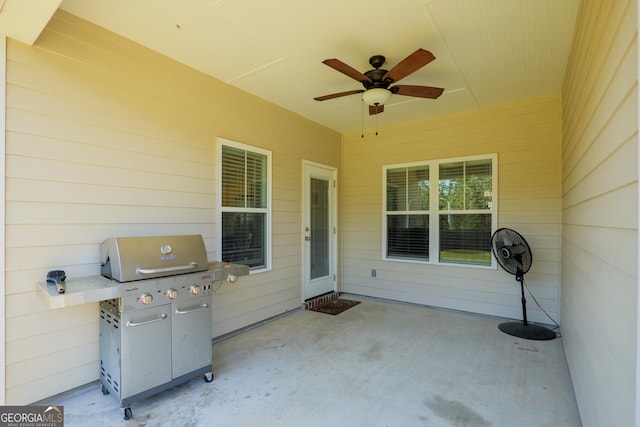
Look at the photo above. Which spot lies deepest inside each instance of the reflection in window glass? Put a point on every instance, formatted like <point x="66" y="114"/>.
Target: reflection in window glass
<point x="465" y="238"/>
<point x="408" y="236"/>
<point x="243" y="238"/>
<point x="408" y="189"/>
<point x="465" y="185"/>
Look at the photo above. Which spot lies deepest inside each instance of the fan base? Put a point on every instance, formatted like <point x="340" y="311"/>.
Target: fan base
<point x="528" y="331"/>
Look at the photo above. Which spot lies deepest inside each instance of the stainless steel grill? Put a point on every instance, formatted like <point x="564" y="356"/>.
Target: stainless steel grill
<point x="157" y="334"/>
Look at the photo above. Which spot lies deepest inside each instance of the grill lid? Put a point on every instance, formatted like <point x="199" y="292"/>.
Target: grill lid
<point x="135" y="258"/>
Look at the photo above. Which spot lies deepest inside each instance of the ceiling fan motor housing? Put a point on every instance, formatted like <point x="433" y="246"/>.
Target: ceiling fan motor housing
<point x="376" y="79"/>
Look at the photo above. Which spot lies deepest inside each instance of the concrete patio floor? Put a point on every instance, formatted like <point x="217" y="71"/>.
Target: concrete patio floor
<point x="379" y="363"/>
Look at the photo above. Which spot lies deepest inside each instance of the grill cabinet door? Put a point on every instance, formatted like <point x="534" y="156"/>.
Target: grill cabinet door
<point x="146" y="349"/>
<point x="191" y="335"/>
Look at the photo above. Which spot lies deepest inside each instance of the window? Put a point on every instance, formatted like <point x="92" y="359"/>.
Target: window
<point x="244" y="193"/>
<point x="408" y="212"/>
<point x="450" y="222"/>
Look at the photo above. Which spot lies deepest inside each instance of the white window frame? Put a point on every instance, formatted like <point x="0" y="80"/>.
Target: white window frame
<point x="221" y="209"/>
<point x="434" y="212"/>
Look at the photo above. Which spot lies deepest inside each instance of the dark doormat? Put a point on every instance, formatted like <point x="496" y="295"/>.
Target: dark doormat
<point x="335" y="306"/>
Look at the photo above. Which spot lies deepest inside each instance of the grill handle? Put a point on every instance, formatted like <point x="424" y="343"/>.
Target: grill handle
<point x="193" y="264"/>
<point x="202" y="307"/>
<point x="146" y="322"/>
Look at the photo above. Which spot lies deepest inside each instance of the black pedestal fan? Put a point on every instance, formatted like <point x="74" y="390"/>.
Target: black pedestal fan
<point x="514" y="255"/>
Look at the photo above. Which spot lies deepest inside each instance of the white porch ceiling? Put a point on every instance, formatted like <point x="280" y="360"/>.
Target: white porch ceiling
<point x="24" y="20"/>
<point x="488" y="52"/>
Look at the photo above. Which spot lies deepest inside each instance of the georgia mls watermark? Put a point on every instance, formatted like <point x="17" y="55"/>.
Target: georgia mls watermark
<point x="32" y="416"/>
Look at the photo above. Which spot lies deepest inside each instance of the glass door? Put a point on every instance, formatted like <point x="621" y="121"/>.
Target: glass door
<point x="319" y="246"/>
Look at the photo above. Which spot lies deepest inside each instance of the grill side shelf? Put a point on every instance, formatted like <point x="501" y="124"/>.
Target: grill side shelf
<point x="81" y="290"/>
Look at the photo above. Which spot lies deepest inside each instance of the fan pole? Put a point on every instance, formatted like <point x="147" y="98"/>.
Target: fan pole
<point x="524" y="329"/>
<point x="520" y="278"/>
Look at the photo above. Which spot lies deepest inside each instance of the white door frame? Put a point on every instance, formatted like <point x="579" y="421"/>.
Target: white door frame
<point x="308" y="168"/>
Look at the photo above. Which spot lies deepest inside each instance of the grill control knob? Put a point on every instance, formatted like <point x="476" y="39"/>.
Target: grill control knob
<point x="172" y="293"/>
<point x="146" y="298"/>
<point x="195" y="289"/>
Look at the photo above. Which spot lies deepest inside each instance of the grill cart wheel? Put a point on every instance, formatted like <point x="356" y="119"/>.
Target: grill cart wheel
<point x="208" y="377"/>
<point x="127" y="414"/>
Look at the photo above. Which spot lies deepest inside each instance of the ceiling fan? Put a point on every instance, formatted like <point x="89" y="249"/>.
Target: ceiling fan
<point x="377" y="82"/>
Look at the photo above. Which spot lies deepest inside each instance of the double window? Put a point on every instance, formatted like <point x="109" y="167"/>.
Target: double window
<point x="441" y="211"/>
<point x="244" y="191"/>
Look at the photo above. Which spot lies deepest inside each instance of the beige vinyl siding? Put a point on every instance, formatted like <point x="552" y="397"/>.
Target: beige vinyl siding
<point x="526" y="138"/>
<point x="600" y="214"/>
<point x="3" y="283"/>
<point x="106" y="138"/>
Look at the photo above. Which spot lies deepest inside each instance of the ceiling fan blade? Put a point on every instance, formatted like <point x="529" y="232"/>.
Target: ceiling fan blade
<point x="338" y="95"/>
<point x="411" y="63"/>
<point x="375" y="109"/>
<point x="347" y="70"/>
<point x="419" y="91"/>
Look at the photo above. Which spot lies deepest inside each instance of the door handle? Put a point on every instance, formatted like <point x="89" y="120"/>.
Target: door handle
<point x="146" y="322"/>
<point x="191" y="310"/>
<point x="189" y="266"/>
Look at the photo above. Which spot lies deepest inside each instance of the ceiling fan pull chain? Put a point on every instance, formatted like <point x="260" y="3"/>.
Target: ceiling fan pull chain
<point x="362" y="118"/>
<point x="376" y="119"/>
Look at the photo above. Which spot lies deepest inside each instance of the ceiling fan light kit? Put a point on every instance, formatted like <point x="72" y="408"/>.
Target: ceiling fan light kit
<point x="376" y="96"/>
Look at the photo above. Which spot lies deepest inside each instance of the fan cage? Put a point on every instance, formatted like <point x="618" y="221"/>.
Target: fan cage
<point x="506" y="238"/>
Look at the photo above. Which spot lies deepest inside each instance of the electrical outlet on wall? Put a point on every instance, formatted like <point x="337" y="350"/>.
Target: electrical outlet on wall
<point x="373" y="272"/>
